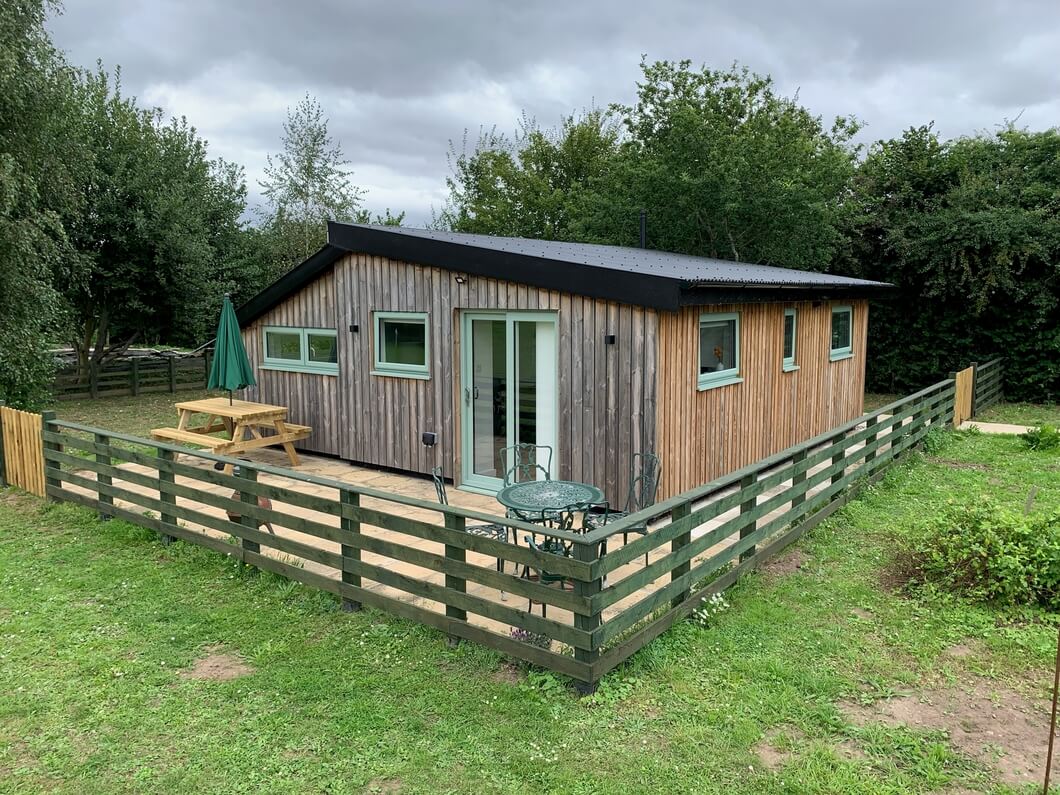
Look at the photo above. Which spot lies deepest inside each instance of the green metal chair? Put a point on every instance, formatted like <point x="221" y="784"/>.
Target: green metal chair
<point x="494" y="531"/>
<point x="566" y="518"/>
<point x="522" y="462"/>
<point x="644" y="475"/>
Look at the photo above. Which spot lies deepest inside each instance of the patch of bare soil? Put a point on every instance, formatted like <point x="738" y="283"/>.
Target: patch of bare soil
<point x="769" y="752"/>
<point x="217" y="666"/>
<point x="988" y="722"/>
<point x="969" y="648"/>
<point x="949" y="462"/>
<point x="786" y="564"/>
<point x="384" y="785"/>
<point x="861" y="613"/>
<point x="508" y="674"/>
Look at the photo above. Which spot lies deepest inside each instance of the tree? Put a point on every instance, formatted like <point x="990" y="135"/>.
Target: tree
<point x="39" y="162"/>
<point x="972" y="227"/>
<point x="532" y="185"/>
<point x="306" y="185"/>
<point x="724" y="166"/>
<point x="159" y="225"/>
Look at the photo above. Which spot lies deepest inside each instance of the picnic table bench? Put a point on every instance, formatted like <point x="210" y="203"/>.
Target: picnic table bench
<point x="241" y="420"/>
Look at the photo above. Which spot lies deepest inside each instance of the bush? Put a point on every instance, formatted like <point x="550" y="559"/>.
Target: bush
<point x="1045" y="437"/>
<point x="990" y="554"/>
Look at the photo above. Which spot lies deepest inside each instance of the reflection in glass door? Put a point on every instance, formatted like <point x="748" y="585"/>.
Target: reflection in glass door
<point x="509" y="390"/>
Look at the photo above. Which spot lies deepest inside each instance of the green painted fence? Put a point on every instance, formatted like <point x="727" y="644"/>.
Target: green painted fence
<point x="413" y="558"/>
<point x="135" y="376"/>
<point x="988" y="388"/>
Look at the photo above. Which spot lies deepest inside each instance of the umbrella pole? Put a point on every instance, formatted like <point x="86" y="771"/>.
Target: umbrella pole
<point x="229" y="397"/>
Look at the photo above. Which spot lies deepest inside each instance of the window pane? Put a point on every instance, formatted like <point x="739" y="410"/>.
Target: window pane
<point x="404" y="342"/>
<point x="323" y="348"/>
<point x="840" y="330"/>
<point x="789" y="336"/>
<point x="717" y="346"/>
<point x="283" y="345"/>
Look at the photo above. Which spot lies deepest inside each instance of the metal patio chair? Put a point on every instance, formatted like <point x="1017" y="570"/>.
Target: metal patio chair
<point x="494" y="531"/>
<point x="522" y="462"/>
<point x="566" y="518"/>
<point x="644" y="474"/>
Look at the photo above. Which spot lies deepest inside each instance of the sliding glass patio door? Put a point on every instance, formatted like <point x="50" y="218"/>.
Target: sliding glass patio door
<point x="509" y="390"/>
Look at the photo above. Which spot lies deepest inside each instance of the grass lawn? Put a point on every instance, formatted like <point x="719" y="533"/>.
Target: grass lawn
<point x="132" y="415"/>
<point x="1022" y="414"/>
<point x="127" y="666"/>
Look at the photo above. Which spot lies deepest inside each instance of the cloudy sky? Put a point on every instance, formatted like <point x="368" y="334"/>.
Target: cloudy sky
<point x="399" y="80"/>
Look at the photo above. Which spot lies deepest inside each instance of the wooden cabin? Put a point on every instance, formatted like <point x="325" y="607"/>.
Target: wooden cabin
<point x="412" y="348"/>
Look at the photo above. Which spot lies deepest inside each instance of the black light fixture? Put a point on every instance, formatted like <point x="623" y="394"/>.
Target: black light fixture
<point x="429" y="438"/>
<point x="609" y="339"/>
<point x="354" y="328"/>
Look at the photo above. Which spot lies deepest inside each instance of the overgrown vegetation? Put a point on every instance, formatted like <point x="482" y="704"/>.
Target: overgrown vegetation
<point x="1044" y="437"/>
<point x="328" y="701"/>
<point x="987" y="552"/>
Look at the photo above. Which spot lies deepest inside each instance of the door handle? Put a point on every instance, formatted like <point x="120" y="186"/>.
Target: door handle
<point x="467" y="395"/>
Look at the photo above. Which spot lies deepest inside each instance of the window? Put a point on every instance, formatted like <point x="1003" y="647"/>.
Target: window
<point x="301" y="350"/>
<point x="842" y="323"/>
<point x="402" y="344"/>
<point x="719" y="350"/>
<point x="790" y="326"/>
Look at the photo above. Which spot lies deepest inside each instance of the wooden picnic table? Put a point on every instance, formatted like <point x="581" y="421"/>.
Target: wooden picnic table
<point x="241" y="420"/>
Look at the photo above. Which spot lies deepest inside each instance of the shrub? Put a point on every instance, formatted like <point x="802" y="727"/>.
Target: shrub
<point x="1045" y="437"/>
<point x="990" y="554"/>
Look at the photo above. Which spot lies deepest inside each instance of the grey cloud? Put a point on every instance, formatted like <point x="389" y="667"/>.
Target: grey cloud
<point x="399" y="80"/>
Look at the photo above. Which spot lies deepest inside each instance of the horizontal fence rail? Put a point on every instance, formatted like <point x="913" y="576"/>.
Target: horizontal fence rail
<point x="988" y="385"/>
<point x="415" y="558"/>
<point x="135" y="376"/>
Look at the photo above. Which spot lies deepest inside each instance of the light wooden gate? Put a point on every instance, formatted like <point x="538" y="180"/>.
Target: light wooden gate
<point x="962" y="405"/>
<point x="22" y="450"/>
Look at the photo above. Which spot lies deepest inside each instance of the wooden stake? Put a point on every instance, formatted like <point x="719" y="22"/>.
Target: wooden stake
<point x="1052" y="720"/>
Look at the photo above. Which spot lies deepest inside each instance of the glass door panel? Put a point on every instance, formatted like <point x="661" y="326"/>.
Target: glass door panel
<point x="509" y="392"/>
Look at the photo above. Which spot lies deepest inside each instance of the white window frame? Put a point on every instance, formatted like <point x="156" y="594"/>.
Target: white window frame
<point x="302" y="364"/>
<point x="845" y="351"/>
<point x="718" y="378"/>
<point x="396" y="369"/>
<point x="788" y="362"/>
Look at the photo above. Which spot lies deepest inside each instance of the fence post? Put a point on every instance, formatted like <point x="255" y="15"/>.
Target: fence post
<point x="953" y="420"/>
<point x="172" y="374"/>
<point x="103" y="480"/>
<point x="747" y="506"/>
<point x="93" y="379"/>
<point x="838" y="457"/>
<point x="871" y="438"/>
<point x="245" y="497"/>
<point x="52" y="469"/>
<point x="3" y="469"/>
<point x="975" y="381"/>
<point x="678" y="513"/>
<point x="587" y="589"/>
<point x="798" y="478"/>
<point x="350" y="553"/>
<point x="135" y="377"/>
<point x="165" y="496"/>
<point x="456" y="583"/>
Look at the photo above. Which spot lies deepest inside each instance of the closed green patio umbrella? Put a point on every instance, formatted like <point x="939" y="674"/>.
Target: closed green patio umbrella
<point x="231" y="368"/>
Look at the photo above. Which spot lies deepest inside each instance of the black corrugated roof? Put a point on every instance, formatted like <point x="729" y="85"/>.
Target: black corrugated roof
<point x="644" y="277"/>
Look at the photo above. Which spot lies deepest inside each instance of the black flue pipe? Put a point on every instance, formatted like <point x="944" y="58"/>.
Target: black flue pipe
<point x="643" y="228"/>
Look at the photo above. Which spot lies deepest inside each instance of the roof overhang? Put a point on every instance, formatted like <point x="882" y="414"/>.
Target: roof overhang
<point x="622" y="286"/>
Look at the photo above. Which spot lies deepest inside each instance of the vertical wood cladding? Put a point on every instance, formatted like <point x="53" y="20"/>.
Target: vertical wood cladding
<point x="705" y="434"/>
<point x="607" y="408"/>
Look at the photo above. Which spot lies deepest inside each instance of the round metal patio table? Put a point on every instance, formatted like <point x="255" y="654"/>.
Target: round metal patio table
<point x="536" y="496"/>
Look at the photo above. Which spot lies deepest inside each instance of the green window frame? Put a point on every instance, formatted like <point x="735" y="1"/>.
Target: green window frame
<point x="300" y="350"/>
<point x="842" y="345"/>
<point x="719" y="350"/>
<point x="788" y="363"/>
<point x="386" y="360"/>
